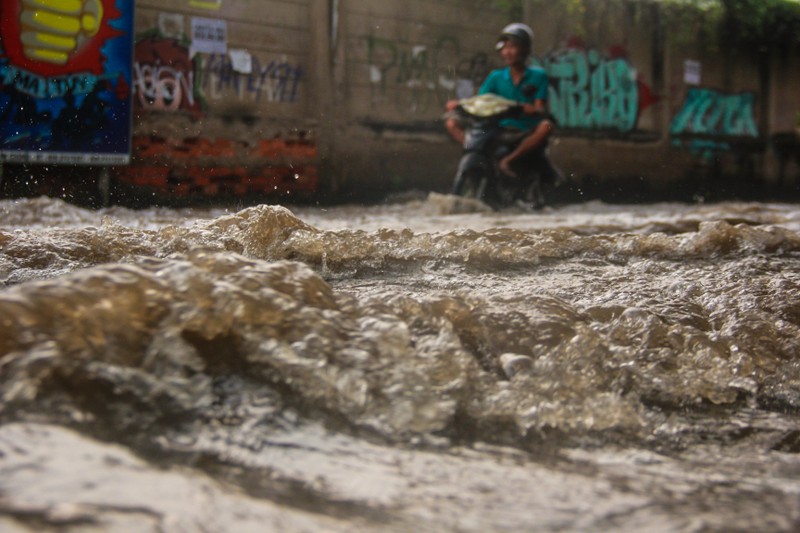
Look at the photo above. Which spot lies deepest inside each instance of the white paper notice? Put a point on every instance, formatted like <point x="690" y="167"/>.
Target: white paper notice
<point x="692" y="71"/>
<point x="209" y="36"/>
<point x="241" y="61"/>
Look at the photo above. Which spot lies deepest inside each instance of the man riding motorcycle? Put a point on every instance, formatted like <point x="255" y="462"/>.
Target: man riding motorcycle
<point x="521" y="83"/>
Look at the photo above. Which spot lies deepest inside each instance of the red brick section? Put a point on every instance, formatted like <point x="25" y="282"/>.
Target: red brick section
<point x="205" y="168"/>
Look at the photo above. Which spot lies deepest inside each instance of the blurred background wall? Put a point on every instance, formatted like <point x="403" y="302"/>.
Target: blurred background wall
<point x="342" y="100"/>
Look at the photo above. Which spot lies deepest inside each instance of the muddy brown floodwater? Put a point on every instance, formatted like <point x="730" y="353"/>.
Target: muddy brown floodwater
<point x="420" y="366"/>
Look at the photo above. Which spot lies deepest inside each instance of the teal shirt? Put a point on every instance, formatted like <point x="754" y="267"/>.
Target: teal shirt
<point x="532" y="87"/>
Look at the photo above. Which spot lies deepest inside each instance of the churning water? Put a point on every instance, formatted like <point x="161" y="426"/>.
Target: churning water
<point x="425" y="366"/>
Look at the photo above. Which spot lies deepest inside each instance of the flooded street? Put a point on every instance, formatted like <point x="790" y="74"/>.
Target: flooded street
<point x="422" y="366"/>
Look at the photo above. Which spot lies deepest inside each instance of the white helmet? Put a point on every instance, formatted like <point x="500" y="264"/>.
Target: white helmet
<point x="519" y="31"/>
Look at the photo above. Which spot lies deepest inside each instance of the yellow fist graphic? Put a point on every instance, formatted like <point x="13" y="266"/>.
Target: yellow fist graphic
<point x="53" y="29"/>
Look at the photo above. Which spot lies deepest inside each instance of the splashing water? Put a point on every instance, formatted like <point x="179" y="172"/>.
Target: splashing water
<point x="427" y="366"/>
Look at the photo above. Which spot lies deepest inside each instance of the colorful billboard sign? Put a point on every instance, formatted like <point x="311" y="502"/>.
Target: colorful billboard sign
<point x="65" y="78"/>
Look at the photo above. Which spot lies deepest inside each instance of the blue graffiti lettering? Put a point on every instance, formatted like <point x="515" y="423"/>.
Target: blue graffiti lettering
<point x="277" y="81"/>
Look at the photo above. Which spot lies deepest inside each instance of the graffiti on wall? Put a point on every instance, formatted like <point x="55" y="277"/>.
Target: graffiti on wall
<point x="590" y="90"/>
<point x="714" y="113"/>
<point x="420" y="78"/>
<point x="163" y="76"/>
<point x="166" y="79"/>
<point x="709" y="121"/>
<point x="275" y="80"/>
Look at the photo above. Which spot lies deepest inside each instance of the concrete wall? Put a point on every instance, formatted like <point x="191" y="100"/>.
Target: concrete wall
<point x="643" y="106"/>
<point x="342" y="99"/>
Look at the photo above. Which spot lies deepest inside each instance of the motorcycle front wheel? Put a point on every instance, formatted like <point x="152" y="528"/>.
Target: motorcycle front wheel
<point x="534" y="195"/>
<point x="471" y="176"/>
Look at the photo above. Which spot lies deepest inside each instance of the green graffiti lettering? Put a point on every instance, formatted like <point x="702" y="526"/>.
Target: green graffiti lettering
<point x="709" y="112"/>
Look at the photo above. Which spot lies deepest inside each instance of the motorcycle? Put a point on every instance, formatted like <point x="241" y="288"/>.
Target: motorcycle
<point x="486" y="142"/>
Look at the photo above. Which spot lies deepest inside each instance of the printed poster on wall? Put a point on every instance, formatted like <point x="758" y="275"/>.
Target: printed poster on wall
<point x="65" y="78"/>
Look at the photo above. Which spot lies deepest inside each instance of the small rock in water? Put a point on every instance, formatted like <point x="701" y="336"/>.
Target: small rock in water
<point x="514" y="364"/>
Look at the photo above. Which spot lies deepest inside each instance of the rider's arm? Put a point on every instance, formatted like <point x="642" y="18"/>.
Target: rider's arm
<point x="538" y="107"/>
<point x="538" y="102"/>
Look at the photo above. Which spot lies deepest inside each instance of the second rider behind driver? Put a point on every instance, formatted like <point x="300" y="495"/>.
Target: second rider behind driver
<point x="519" y="82"/>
